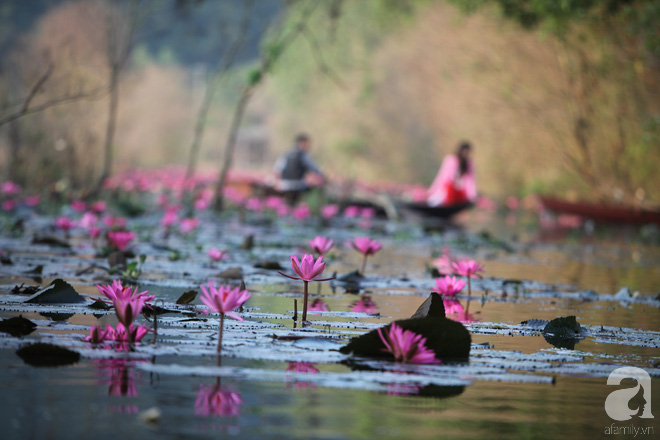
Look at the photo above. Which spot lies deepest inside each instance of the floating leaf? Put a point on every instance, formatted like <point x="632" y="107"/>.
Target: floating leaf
<point x="187" y="297"/>
<point x="50" y="241"/>
<point x="47" y="355"/>
<point x="268" y="265"/>
<point x="17" y="326"/>
<point x="25" y="290"/>
<point x="433" y="306"/>
<point x="99" y="305"/>
<point x="58" y="292"/>
<point x="233" y="273"/>
<point x="447" y="338"/>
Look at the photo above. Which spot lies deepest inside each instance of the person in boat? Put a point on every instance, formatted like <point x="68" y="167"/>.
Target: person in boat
<point x="454" y="184"/>
<point x="292" y="168"/>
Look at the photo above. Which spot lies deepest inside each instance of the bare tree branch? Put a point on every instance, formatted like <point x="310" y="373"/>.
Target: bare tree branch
<point x="227" y="61"/>
<point x="28" y="108"/>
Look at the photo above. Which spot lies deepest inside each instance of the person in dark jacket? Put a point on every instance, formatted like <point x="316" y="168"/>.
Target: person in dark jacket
<point x="292" y="168"/>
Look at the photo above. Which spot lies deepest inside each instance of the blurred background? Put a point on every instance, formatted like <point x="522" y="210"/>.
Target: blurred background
<point x="557" y="97"/>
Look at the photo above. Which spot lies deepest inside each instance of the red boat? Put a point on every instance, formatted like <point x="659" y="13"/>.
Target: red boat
<point x="602" y="213"/>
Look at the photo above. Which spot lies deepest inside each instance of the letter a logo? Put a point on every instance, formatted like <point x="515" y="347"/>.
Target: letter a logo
<point x="616" y="404"/>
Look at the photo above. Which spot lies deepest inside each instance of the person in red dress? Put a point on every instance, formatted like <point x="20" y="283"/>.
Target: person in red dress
<point x="455" y="183"/>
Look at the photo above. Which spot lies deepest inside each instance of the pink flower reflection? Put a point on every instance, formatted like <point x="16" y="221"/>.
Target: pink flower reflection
<point x="212" y="400"/>
<point x="454" y="310"/>
<point x="365" y="305"/>
<point x="318" y="306"/>
<point x="118" y="374"/>
<point x="304" y="368"/>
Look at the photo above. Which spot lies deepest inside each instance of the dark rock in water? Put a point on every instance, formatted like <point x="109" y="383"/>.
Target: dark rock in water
<point x="50" y="241"/>
<point x="17" y="326"/>
<point x="233" y="273"/>
<point x="187" y="297"/>
<point x="5" y="260"/>
<point x="563" y="332"/>
<point x="58" y="292"/>
<point x="268" y="265"/>
<point x="447" y="338"/>
<point x="47" y="355"/>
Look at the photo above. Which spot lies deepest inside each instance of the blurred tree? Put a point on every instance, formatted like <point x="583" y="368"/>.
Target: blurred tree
<point x="224" y="64"/>
<point x="609" y="52"/>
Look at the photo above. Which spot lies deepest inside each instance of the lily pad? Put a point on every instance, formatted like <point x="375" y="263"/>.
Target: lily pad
<point x="47" y="355"/>
<point x="187" y="297"/>
<point x="58" y="292"/>
<point x="17" y="326"/>
<point x="233" y="273"/>
<point x="447" y="338"/>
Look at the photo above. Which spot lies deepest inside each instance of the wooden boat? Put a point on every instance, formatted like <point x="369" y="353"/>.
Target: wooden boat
<point x="601" y="212"/>
<point x="438" y="212"/>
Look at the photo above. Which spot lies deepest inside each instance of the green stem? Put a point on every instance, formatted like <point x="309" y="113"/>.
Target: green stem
<point x="304" y="315"/>
<point x="467" y="307"/>
<point x="222" y="324"/>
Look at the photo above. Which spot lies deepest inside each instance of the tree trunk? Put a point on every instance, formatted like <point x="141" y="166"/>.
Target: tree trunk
<point x="218" y="199"/>
<point x="110" y="128"/>
<point x="199" y="129"/>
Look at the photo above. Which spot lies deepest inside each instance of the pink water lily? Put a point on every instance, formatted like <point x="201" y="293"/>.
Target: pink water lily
<point x="448" y="286"/>
<point x="307" y="270"/>
<point x="97" y="335"/>
<point x="88" y="220"/>
<point x="468" y="268"/>
<point x="78" y="206"/>
<point x="10" y="188"/>
<point x="126" y="336"/>
<point x="224" y="299"/>
<point x="120" y="239"/>
<point x="329" y="211"/>
<point x="406" y="346"/>
<point x="217" y="255"/>
<point x="128" y="302"/>
<point x="64" y="223"/>
<point x="321" y="245"/>
<point x="366" y="247"/>
<point x="188" y="225"/>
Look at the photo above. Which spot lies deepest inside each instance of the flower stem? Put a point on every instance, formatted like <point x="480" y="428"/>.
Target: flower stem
<point x="222" y="324"/>
<point x="304" y="315"/>
<point x="467" y="306"/>
<point x="364" y="264"/>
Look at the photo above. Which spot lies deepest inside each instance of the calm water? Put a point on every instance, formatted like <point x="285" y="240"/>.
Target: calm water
<point x="102" y="398"/>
